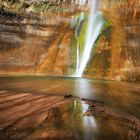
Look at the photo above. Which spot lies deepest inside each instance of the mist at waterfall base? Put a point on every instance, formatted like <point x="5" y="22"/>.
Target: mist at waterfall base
<point x="95" y="23"/>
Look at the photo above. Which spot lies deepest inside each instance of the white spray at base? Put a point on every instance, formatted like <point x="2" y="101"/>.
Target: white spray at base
<point x="93" y="30"/>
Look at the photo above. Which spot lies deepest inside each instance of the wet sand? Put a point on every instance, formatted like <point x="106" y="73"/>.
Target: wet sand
<point x="23" y="113"/>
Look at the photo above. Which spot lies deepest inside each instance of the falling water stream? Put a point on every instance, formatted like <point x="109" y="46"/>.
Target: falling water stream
<point x="93" y="30"/>
<point x="94" y="26"/>
<point x="81" y="18"/>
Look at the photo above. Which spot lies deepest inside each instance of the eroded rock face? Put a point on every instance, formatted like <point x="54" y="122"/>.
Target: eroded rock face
<point x="116" y="55"/>
<point x="36" y="43"/>
<point x="42" y="44"/>
<point x="30" y="48"/>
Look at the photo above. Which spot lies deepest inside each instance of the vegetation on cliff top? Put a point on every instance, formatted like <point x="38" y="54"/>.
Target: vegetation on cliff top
<point x="35" y="6"/>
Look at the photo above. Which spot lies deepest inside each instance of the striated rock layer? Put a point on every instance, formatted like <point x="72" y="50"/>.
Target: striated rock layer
<point x="34" y="46"/>
<point x="116" y="55"/>
<point x="46" y="44"/>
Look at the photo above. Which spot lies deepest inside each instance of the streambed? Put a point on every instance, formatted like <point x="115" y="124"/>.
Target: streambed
<point x="22" y="96"/>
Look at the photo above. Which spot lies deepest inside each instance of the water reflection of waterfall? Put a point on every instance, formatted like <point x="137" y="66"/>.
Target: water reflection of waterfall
<point x="89" y="125"/>
<point x="93" y="30"/>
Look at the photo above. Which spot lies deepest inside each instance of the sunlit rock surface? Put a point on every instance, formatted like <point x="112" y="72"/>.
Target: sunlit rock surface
<point x="26" y="46"/>
<point x="116" y="55"/>
<point x="45" y="43"/>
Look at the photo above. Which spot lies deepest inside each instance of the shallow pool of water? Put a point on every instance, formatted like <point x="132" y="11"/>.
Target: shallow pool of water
<point x="121" y="97"/>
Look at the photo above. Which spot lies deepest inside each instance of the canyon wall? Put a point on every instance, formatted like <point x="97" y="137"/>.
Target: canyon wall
<point x="116" y="53"/>
<point x="45" y="42"/>
<point x="37" y="42"/>
<point x="30" y="48"/>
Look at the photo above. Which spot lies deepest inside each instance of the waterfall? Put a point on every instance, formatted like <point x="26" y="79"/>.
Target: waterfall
<point x="93" y="30"/>
<point x="81" y="18"/>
